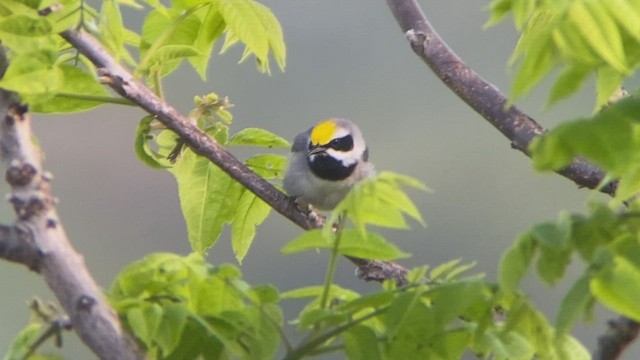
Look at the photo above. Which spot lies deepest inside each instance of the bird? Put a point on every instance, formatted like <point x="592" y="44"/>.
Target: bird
<point x="326" y="161"/>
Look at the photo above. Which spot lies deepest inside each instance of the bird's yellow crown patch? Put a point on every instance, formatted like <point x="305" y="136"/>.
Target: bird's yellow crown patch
<point x="322" y="133"/>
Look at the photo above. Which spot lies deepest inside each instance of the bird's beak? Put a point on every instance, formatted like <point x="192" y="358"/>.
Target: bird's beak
<point x="316" y="150"/>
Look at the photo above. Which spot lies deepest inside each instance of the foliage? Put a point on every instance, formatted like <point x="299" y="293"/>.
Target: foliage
<point x="46" y="322"/>
<point x="54" y="78"/>
<point x="582" y="37"/>
<point x="180" y="307"/>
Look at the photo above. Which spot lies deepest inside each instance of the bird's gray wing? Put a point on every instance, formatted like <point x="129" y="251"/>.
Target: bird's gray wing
<point x="301" y="141"/>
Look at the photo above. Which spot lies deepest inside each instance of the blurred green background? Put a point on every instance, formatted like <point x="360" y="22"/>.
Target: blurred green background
<point x="347" y="59"/>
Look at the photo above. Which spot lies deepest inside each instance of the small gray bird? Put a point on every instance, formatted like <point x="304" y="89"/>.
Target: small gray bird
<point x="326" y="161"/>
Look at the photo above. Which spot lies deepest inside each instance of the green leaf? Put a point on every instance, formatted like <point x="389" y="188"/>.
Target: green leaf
<point x="169" y="331"/>
<point x="168" y="54"/>
<point x="258" y="137"/>
<point x="570" y="348"/>
<point x="23" y="25"/>
<point x="308" y="240"/>
<point x="361" y="343"/>
<point x="537" y="63"/>
<point x="32" y="73"/>
<point x="245" y="21"/>
<point x="112" y="28"/>
<point x="352" y="243"/>
<point x="607" y="139"/>
<point x="568" y="82"/>
<point x="167" y="40"/>
<point x="515" y="262"/>
<point x="268" y="166"/>
<point x="574" y="303"/>
<point x="211" y="29"/>
<point x="23" y="341"/>
<point x="379" y="201"/>
<point x="77" y="91"/>
<point x="617" y="286"/>
<point x="274" y="35"/>
<point x="373" y="246"/>
<point x="608" y="81"/>
<point x="598" y="31"/>
<point x="208" y="198"/>
<point x="250" y="212"/>
<point x="144" y="322"/>
<point x="141" y="145"/>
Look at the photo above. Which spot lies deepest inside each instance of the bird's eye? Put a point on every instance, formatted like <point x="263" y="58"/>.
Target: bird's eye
<point x="344" y="143"/>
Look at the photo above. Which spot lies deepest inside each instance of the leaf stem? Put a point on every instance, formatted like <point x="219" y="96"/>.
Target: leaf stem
<point x="102" y="99"/>
<point x="331" y="268"/>
<point x="308" y="347"/>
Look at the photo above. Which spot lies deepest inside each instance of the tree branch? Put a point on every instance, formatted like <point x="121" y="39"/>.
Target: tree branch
<point x="483" y="97"/>
<point x="128" y="87"/>
<point x="518" y="127"/>
<point x="38" y="239"/>
<point x="619" y="336"/>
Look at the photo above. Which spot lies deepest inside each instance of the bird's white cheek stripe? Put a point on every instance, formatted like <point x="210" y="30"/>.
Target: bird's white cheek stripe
<point x="347" y="158"/>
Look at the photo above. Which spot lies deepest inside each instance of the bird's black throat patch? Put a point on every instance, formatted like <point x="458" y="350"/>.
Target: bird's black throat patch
<point x="329" y="168"/>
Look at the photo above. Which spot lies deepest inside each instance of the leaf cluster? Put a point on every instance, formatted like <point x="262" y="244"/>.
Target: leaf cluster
<point x="581" y="37"/>
<point x="209" y="198"/>
<point x="54" y="78"/>
<point x="183" y="308"/>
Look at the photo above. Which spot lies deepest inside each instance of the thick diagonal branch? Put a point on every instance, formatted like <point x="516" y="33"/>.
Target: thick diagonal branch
<point x="484" y="97"/>
<point x="128" y="87"/>
<point x="518" y="127"/>
<point x="38" y="239"/>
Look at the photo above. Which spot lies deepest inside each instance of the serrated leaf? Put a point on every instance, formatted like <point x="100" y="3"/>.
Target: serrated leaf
<point x="250" y="212"/>
<point x="626" y="15"/>
<point x="442" y="269"/>
<point x="169" y="331"/>
<point x="599" y="32"/>
<point x="258" y="137"/>
<point x="534" y="67"/>
<point x="211" y="29"/>
<point x="274" y="35"/>
<point x="112" y="28"/>
<point x="167" y="40"/>
<point x="254" y="25"/>
<point x="378" y="201"/>
<point x="243" y="19"/>
<point x="208" y="198"/>
<point x="617" y="286"/>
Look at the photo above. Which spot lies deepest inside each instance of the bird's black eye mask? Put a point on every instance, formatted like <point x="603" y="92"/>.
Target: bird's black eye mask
<point x="343" y="144"/>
